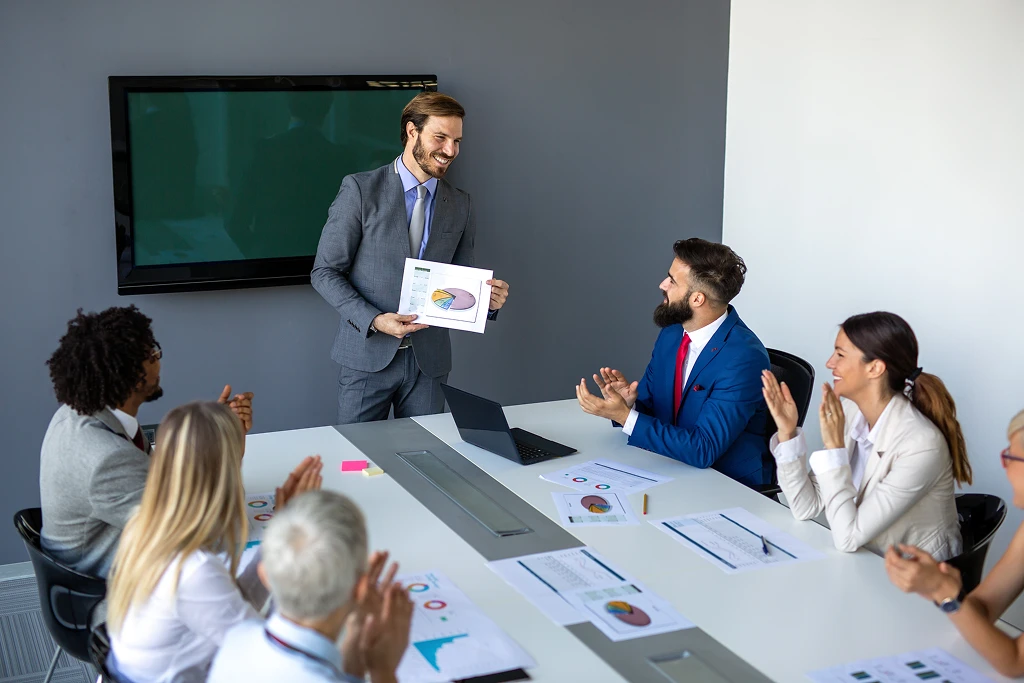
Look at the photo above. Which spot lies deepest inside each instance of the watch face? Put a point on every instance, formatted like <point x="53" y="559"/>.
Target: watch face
<point x="949" y="606"/>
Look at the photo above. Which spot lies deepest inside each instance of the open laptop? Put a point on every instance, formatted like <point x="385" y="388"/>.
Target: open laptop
<point x="482" y="423"/>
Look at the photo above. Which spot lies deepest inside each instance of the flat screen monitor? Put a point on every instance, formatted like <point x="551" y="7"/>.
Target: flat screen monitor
<point x="225" y="182"/>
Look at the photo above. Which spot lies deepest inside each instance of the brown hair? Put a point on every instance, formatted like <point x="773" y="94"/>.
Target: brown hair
<point x="888" y="338"/>
<point x="428" y="104"/>
<point x="715" y="269"/>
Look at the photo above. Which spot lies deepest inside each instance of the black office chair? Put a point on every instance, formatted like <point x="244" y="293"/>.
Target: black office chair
<point x="798" y="375"/>
<point x="67" y="597"/>
<point x="980" y="515"/>
<point x="99" y="648"/>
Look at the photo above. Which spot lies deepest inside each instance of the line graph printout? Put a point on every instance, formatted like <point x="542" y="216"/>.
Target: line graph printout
<point x="451" y="638"/>
<point x="731" y="540"/>
<point x="606" y="476"/>
<point x="577" y="585"/>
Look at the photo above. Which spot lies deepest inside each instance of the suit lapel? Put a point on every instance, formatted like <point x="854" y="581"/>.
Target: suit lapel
<point x="110" y="420"/>
<point x="880" y="450"/>
<point x="395" y="215"/>
<point x="711" y="349"/>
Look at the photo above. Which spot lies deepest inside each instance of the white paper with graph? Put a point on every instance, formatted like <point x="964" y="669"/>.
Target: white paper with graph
<point x="935" y="665"/>
<point x="451" y="638"/>
<point x="591" y="509"/>
<point x="732" y="540"/>
<point x="259" y="508"/>
<point x="444" y="295"/>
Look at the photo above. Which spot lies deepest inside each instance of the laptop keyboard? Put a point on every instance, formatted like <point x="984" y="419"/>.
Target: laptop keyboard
<point x="530" y="452"/>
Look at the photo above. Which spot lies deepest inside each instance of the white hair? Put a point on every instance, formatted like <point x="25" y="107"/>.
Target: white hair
<point x="314" y="552"/>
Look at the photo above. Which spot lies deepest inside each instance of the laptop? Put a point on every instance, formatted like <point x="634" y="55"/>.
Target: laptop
<point x="482" y="423"/>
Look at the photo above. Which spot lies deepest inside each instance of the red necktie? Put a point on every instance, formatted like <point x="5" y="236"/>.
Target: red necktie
<point x="138" y="441"/>
<point x="680" y="362"/>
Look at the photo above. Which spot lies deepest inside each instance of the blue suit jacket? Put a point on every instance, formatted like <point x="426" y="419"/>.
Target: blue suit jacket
<point x="721" y="421"/>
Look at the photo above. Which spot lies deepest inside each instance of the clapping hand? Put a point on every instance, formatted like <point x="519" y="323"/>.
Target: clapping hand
<point x="385" y="634"/>
<point x="833" y="421"/>
<point x="613" y="380"/>
<point x="305" y="477"/>
<point x="921" y="574"/>
<point x="610" y="404"/>
<point x="781" y="405"/>
<point x="368" y="598"/>
<point x="241" y="404"/>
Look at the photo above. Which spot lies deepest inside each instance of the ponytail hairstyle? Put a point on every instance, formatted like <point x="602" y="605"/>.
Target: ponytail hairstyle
<point x="888" y="338"/>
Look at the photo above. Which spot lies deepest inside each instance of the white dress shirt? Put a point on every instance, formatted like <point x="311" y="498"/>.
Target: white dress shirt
<point x="129" y="422"/>
<point x="834" y="458"/>
<point x="698" y="340"/>
<point x="298" y="655"/>
<point x="174" y="635"/>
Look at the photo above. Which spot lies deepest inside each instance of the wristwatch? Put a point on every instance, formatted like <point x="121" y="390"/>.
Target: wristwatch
<point x="951" y="605"/>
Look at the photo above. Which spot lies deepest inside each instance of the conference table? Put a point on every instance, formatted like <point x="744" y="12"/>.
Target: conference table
<point x="781" y="621"/>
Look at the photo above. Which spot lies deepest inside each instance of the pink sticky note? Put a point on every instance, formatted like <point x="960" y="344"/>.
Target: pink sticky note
<point x="354" y="465"/>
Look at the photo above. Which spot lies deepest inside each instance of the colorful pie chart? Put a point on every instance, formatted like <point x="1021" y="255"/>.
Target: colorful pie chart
<point x="258" y="503"/>
<point x="627" y="613"/>
<point x="453" y="299"/>
<point x="263" y="517"/>
<point x="596" y="504"/>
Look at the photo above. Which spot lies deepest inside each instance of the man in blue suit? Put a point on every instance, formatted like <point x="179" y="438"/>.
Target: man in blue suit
<point x="700" y="399"/>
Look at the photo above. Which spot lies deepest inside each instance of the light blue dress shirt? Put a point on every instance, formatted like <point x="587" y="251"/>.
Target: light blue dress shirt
<point x="409" y="184"/>
<point x="249" y="653"/>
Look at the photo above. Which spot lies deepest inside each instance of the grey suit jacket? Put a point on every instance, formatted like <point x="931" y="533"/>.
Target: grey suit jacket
<point x="361" y="258"/>
<point x="91" y="478"/>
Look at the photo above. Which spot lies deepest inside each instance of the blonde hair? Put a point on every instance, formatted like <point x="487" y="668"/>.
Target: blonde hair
<point x="193" y="500"/>
<point x="1016" y="424"/>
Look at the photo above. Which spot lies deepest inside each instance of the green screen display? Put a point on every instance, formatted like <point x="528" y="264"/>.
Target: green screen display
<point x="224" y="176"/>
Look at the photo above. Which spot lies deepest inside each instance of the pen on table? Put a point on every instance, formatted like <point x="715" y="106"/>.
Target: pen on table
<point x="645" y="503"/>
<point x="764" y="545"/>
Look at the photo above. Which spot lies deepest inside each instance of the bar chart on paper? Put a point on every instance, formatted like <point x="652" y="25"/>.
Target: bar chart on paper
<point x="451" y="638"/>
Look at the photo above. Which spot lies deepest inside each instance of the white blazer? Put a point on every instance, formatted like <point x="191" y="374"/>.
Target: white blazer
<point x="905" y="496"/>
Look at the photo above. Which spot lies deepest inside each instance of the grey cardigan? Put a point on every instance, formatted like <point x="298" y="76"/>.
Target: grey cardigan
<point x="91" y="477"/>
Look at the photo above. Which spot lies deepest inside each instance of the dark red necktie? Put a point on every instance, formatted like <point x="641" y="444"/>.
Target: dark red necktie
<point x="680" y="362"/>
<point x="138" y="441"/>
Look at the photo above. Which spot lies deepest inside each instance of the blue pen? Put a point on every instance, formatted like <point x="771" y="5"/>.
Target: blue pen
<point x="764" y="545"/>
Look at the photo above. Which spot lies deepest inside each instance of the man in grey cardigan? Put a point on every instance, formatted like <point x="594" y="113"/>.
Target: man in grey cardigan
<point x="380" y="218"/>
<point x="95" y="458"/>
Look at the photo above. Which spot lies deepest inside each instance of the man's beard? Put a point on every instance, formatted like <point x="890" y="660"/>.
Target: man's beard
<point x="428" y="165"/>
<point x="155" y="394"/>
<point x="679" y="313"/>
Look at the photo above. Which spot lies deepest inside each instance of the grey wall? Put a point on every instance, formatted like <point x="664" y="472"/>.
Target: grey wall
<point x="594" y="138"/>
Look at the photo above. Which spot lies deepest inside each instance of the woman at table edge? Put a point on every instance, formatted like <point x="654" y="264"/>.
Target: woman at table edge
<point x="893" y="446"/>
<point x="913" y="570"/>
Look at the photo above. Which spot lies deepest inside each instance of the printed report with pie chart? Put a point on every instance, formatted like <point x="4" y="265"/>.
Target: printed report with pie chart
<point x="593" y="509"/>
<point x="445" y="295"/>
<point x="259" y="508"/>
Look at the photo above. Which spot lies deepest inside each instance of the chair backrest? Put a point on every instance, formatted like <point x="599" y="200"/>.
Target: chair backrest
<point x="980" y="515"/>
<point x="99" y="649"/>
<point x="798" y="375"/>
<point x="67" y="597"/>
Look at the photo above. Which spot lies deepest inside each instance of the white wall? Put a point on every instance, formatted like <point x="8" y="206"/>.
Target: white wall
<point x="875" y="160"/>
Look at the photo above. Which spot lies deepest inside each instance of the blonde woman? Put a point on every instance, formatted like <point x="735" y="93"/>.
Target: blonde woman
<point x="172" y="596"/>
<point x="914" y="570"/>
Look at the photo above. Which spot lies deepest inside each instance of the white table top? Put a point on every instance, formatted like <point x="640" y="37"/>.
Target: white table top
<point x="420" y="542"/>
<point x="785" y="621"/>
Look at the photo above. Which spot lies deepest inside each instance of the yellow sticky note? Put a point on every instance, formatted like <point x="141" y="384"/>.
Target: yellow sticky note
<point x="372" y="471"/>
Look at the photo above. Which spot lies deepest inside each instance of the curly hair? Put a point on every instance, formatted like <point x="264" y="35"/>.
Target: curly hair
<point x="100" y="360"/>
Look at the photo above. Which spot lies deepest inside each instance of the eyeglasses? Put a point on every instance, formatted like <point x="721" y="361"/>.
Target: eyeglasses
<point x="157" y="353"/>
<point x="1006" y="457"/>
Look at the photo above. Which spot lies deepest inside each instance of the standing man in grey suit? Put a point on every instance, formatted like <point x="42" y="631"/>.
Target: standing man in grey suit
<point x="379" y="218"/>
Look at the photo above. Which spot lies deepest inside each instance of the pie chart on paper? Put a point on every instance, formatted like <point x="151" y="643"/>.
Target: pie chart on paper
<point x="627" y="613"/>
<point x="453" y="298"/>
<point x="595" y="504"/>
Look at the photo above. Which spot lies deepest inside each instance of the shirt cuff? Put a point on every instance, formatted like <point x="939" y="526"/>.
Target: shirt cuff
<point x="627" y="428"/>
<point x="831" y="459"/>
<point x="788" y="451"/>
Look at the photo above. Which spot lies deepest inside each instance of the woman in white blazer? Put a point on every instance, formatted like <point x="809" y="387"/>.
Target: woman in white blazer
<point x="913" y="570"/>
<point x="893" y="446"/>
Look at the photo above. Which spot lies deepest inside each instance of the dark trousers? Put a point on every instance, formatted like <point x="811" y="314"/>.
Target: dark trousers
<point x="369" y="396"/>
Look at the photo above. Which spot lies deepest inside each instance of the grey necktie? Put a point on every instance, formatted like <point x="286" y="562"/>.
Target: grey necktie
<point x="418" y="220"/>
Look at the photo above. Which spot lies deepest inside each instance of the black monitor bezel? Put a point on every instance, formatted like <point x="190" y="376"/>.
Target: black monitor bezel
<point x="206" y="276"/>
